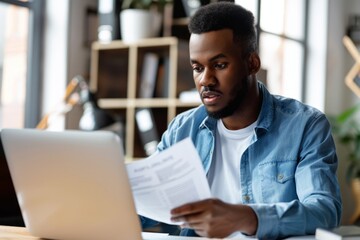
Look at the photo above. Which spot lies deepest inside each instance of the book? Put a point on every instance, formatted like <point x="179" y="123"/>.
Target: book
<point x="350" y="232"/>
<point x="147" y="130"/>
<point x="149" y="75"/>
<point x="144" y="116"/>
<point x="162" y="85"/>
<point x="109" y="20"/>
<point x="191" y="6"/>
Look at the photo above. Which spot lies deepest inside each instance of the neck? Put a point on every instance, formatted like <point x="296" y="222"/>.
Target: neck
<point x="247" y="112"/>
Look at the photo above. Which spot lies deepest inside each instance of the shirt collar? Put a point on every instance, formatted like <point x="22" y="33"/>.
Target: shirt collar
<point x="266" y="114"/>
<point x="265" y="118"/>
<point x="208" y="122"/>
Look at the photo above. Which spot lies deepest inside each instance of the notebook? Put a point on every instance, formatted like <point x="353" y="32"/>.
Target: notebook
<point x="71" y="184"/>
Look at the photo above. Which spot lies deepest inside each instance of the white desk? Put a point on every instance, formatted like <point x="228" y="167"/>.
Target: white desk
<point x="20" y="233"/>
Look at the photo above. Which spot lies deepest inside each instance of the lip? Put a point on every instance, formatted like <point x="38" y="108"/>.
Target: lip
<point x="210" y="97"/>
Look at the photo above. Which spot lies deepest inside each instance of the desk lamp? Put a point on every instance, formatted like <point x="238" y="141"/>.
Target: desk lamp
<point x="93" y="118"/>
<point x="77" y="92"/>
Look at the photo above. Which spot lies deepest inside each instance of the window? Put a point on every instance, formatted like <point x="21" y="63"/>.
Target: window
<point x="282" y="27"/>
<point x="19" y="46"/>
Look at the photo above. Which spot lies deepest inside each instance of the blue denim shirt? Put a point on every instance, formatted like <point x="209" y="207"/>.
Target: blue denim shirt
<point x="288" y="173"/>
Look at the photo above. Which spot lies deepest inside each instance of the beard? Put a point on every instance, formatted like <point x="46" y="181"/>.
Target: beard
<point x="241" y="91"/>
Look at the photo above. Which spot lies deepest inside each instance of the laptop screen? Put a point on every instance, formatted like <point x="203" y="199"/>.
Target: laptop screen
<point x="71" y="184"/>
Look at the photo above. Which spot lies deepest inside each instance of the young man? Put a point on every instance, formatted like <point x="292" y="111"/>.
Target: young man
<point x="270" y="161"/>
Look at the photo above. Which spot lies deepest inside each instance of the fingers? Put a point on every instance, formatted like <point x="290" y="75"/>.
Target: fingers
<point x="192" y="208"/>
<point x="196" y="212"/>
<point x="190" y="212"/>
<point x="185" y="209"/>
<point x="189" y="217"/>
<point x="193" y="225"/>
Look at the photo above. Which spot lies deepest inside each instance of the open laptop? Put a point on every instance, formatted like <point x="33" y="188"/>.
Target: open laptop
<point x="71" y="184"/>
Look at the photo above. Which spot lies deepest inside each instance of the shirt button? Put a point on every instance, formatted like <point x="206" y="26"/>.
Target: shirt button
<point x="246" y="197"/>
<point x="280" y="177"/>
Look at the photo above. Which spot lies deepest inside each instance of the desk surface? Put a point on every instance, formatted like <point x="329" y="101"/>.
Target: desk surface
<point x="20" y="233"/>
<point x="15" y="233"/>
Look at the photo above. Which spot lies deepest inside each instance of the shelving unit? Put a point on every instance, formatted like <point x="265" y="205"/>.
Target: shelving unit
<point x="116" y="69"/>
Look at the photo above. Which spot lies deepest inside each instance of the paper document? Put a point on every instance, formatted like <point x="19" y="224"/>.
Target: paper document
<point x="167" y="180"/>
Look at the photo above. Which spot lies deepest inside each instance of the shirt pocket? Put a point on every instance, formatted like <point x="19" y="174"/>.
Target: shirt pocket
<point x="278" y="181"/>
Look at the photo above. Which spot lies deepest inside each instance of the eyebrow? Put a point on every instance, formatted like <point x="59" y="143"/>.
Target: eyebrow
<point x="216" y="57"/>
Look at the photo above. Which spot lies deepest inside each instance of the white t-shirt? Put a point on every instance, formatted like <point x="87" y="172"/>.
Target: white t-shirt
<point x="224" y="173"/>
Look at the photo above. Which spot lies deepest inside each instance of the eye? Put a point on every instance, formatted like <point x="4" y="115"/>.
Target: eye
<point x="197" y="68"/>
<point x="220" y="65"/>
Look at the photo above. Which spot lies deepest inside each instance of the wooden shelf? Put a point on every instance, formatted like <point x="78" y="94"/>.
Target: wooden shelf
<point x="145" y="102"/>
<point x="181" y="21"/>
<point x="148" y="42"/>
<point x="116" y="70"/>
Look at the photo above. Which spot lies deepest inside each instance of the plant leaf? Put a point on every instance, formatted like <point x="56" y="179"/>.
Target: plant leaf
<point x="348" y="113"/>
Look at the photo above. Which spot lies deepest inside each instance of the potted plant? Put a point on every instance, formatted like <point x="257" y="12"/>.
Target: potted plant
<point x="346" y="128"/>
<point x="141" y="19"/>
<point x="144" y="4"/>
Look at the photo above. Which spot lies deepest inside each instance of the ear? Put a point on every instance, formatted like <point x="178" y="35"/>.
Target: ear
<point x="254" y="63"/>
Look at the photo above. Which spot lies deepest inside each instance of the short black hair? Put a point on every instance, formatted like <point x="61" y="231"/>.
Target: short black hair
<point x="226" y="15"/>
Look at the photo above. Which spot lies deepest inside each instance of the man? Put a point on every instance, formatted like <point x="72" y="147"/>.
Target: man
<point x="270" y="161"/>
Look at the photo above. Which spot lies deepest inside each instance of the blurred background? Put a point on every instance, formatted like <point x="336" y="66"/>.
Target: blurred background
<point x="44" y="44"/>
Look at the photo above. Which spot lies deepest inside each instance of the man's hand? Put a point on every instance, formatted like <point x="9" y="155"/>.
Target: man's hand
<point x="214" y="218"/>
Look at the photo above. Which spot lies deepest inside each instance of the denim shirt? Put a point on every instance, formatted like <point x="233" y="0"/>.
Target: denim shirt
<point x="288" y="173"/>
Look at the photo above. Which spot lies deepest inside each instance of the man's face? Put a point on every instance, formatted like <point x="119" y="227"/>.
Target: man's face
<point x="220" y="72"/>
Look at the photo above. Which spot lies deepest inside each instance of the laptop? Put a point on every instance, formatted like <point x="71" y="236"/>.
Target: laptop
<point x="71" y="184"/>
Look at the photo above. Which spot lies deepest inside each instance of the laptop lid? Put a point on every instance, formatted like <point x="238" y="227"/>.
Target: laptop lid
<point x="71" y="184"/>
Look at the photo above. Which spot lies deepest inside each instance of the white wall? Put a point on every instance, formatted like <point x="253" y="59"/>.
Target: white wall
<point x="316" y="60"/>
<point x="78" y="51"/>
<point x="65" y="54"/>
<point x="338" y="97"/>
<point x="55" y="57"/>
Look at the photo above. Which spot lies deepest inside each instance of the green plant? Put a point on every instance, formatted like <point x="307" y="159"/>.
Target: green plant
<point x="145" y="4"/>
<point x="346" y="127"/>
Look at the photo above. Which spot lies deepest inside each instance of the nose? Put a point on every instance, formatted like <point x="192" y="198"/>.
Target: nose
<point x="207" y="78"/>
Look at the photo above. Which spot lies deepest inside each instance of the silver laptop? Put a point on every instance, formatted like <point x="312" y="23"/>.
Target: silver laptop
<point x="71" y="184"/>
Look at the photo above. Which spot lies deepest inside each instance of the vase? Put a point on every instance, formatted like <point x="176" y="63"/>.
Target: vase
<point x="355" y="188"/>
<point x="137" y="24"/>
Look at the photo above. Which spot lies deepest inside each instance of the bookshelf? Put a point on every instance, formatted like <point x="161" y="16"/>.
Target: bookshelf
<point x="116" y="77"/>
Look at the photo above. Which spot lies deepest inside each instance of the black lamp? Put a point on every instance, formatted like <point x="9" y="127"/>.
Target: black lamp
<point x="93" y="118"/>
<point x="353" y="30"/>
